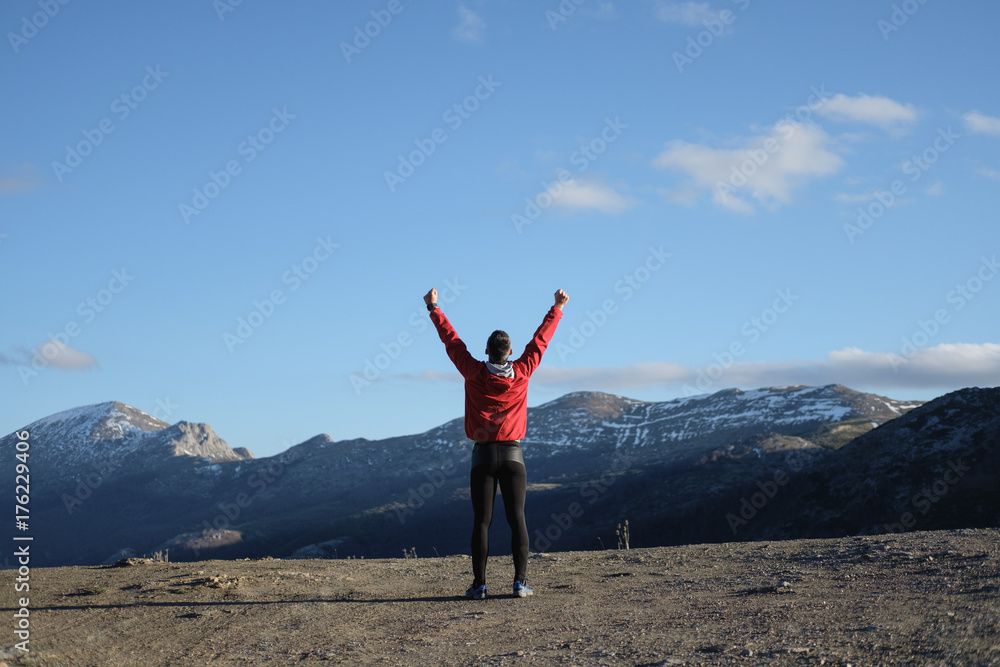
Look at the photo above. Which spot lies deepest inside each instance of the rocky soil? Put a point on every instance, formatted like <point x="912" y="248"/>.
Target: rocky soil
<point x="922" y="598"/>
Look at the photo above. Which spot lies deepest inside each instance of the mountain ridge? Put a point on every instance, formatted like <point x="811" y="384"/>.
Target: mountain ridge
<point x="676" y="469"/>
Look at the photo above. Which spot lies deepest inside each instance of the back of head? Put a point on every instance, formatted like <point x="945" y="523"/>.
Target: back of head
<point x="498" y="346"/>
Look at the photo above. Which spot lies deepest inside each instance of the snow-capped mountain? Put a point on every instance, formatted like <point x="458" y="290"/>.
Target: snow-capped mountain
<point x="114" y="439"/>
<point x="671" y="430"/>
<point x="112" y="479"/>
<point x="603" y="425"/>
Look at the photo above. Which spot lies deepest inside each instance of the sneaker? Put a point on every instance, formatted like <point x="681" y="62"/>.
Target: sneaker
<point x="476" y="593"/>
<point x="521" y="589"/>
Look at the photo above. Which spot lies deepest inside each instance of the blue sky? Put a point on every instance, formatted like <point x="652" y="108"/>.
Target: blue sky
<point x="228" y="213"/>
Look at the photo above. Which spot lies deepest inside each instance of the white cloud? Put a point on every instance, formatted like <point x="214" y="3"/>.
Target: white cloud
<point x="62" y="356"/>
<point x="947" y="366"/>
<point x="935" y="190"/>
<point x="430" y="376"/>
<point x="605" y="11"/>
<point x="845" y="198"/>
<point x="765" y="170"/>
<point x="981" y="123"/>
<point x="682" y="196"/>
<point x="950" y="365"/>
<point x="19" y="179"/>
<point x="470" y="27"/>
<point x="54" y="353"/>
<point x="685" y="13"/>
<point x="645" y="374"/>
<point x="575" y="194"/>
<point x="988" y="173"/>
<point x="880" y="111"/>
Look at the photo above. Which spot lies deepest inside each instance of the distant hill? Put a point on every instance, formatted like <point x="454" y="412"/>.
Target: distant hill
<point x="111" y="481"/>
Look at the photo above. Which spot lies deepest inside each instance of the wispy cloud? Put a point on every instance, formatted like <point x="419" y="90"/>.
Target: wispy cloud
<point x="605" y="11"/>
<point x="647" y="374"/>
<point x="470" y="27"/>
<point x="946" y="366"/>
<point x="845" y="198"/>
<point x="943" y="366"/>
<point x="587" y="195"/>
<point x="429" y="376"/>
<point x="935" y="190"/>
<point x="765" y="169"/>
<point x="18" y="179"/>
<point x="981" y="123"/>
<point x="684" y="13"/>
<point x="55" y="354"/>
<point x="879" y="111"/>
<point x="988" y="173"/>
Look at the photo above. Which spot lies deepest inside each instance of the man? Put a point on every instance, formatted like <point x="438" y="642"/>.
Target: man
<point x="496" y="415"/>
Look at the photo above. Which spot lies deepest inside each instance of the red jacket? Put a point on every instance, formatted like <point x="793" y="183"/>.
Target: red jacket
<point x="496" y="407"/>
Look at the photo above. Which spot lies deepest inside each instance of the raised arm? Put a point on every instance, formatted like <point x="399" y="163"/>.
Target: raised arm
<point x="533" y="351"/>
<point x="453" y="345"/>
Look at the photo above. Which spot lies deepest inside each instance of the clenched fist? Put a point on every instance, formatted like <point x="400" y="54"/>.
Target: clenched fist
<point x="561" y="299"/>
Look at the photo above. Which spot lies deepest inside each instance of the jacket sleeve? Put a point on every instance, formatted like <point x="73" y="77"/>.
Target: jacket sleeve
<point x="533" y="351"/>
<point x="457" y="352"/>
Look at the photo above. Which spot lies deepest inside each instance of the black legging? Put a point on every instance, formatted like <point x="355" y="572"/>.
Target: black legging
<point x="512" y="478"/>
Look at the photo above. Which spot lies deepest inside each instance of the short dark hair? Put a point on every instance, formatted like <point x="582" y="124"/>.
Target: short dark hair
<point x="498" y="346"/>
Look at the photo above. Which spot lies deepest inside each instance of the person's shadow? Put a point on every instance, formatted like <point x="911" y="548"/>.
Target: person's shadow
<point x="246" y="603"/>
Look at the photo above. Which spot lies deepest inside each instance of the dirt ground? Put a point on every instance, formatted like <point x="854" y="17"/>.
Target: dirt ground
<point x="926" y="598"/>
